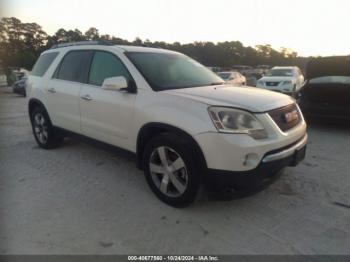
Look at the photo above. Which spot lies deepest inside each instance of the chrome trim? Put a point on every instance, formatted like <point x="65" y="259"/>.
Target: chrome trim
<point x="51" y="90"/>
<point x="286" y="152"/>
<point x="86" y="97"/>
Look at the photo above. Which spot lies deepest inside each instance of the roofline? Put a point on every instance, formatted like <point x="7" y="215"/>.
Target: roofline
<point x="98" y="42"/>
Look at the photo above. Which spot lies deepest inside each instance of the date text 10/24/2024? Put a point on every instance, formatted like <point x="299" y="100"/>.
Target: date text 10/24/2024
<point x="173" y="258"/>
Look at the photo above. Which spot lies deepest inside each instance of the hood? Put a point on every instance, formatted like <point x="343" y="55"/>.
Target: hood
<point x="248" y="98"/>
<point x="276" y="78"/>
<point x="328" y="66"/>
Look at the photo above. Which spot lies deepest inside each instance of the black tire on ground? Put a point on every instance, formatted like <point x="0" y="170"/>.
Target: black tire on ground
<point x="174" y="144"/>
<point x="43" y="131"/>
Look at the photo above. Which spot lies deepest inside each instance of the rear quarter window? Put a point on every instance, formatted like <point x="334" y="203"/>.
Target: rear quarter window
<point x="43" y="63"/>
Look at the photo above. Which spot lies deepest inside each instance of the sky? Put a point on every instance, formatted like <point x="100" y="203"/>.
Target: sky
<point x="309" y="27"/>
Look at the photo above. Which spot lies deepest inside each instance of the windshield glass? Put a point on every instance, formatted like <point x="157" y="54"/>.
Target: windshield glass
<point x="331" y="80"/>
<point x="224" y="76"/>
<point x="280" y="72"/>
<point x="165" y="71"/>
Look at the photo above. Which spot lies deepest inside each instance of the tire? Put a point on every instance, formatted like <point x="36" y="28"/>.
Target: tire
<point x="43" y="131"/>
<point x="172" y="170"/>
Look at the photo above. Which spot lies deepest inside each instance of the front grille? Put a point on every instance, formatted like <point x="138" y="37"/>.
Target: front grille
<point x="272" y="83"/>
<point x="280" y="118"/>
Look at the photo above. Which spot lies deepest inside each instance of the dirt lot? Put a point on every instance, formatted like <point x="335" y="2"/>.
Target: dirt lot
<point x="82" y="199"/>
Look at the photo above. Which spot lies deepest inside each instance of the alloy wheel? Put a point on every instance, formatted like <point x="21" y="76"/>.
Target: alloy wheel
<point x="168" y="171"/>
<point x="40" y="128"/>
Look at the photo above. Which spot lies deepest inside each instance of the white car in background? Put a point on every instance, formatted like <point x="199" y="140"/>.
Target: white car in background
<point x="232" y="77"/>
<point x="284" y="79"/>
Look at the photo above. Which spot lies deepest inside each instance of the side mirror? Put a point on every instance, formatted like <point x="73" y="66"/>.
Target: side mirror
<point x="117" y="83"/>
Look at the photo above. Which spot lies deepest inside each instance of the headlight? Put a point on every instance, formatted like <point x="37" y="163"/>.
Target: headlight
<point x="287" y="82"/>
<point x="229" y="120"/>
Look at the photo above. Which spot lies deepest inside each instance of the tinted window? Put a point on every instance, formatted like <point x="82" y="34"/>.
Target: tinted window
<point x="106" y="65"/>
<point x="165" y="71"/>
<point x="74" y="66"/>
<point x="43" y="63"/>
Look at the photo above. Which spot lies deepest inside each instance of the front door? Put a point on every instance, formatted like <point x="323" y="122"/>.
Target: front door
<point x="106" y="115"/>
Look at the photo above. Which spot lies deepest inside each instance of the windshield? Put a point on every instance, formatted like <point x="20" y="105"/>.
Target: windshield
<point x="165" y="71"/>
<point x="224" y="76"/>
<point x="280" y="72"/>
<point x="331" y="80"/>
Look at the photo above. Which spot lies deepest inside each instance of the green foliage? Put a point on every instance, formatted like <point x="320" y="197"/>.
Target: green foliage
<point x="21" y="44"/>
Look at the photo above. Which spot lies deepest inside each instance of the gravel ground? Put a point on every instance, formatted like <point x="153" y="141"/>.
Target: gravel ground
<point x="82" y="199"/>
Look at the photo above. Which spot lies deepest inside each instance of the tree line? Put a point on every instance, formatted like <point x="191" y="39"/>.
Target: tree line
<point x="21" y="44"/>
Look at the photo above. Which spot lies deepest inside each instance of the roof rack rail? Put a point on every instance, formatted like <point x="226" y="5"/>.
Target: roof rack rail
<point x="97" y="42"/>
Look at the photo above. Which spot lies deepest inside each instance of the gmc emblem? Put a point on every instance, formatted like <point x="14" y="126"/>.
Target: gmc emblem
<point x="291" y="116"/>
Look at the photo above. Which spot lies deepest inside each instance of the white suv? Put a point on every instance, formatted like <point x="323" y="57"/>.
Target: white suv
<point x="284" y="79"/>
<point x="184" y="125"/>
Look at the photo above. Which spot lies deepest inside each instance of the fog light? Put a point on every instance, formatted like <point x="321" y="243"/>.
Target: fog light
<point x="251" y="159"/>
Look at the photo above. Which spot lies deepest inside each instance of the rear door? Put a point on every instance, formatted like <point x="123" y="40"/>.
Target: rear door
<point x="106" y="115"/>
<point x="64" y="89"/>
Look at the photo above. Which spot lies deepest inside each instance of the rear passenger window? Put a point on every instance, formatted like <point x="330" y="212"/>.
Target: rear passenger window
<point x="106" y="65"/>
<point x="74" y="66"/>
<point x="43" y="63"/>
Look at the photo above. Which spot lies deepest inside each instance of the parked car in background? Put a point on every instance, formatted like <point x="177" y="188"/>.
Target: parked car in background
<point x="233" y="78"/>
<point x="252" y="79"/>
<point x="19" y="87"/>
<point x="326" y="92"/>
<point x="243" y="69"/>
<point x="3" y="79"/>
<point x="263" y="68"/>
<point x="284" y="79"/>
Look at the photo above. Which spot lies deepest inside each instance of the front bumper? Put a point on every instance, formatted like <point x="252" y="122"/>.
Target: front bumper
<point x="268" y="168"/>
<point x="240" y="152"/>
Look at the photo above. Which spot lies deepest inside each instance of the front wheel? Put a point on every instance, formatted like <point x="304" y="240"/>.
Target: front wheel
<point x="171" y="169"/>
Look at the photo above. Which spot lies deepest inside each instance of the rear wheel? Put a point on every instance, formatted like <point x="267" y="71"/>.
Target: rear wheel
<point x="171" y="170"/>
<point x="43" y="130"/>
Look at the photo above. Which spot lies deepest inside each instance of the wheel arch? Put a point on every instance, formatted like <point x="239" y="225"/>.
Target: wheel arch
<point x="33" y="103"/>
<point x="150" y="130"/>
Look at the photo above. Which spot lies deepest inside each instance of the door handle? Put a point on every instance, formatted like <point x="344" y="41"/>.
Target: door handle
<point x="51" y="90"/>
<point x="86" y="97"/>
